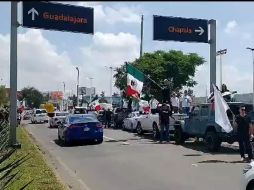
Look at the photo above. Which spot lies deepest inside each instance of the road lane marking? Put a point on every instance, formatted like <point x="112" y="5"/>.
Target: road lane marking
<point x="109" y="138"/>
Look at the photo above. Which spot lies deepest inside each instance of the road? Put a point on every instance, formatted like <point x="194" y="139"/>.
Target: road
<point x="125" y="161"/>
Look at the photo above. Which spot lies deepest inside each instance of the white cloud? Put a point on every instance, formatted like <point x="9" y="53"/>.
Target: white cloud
<point x="39" y="64"/>
<point x="112" y="15"/>
<point x="231" y="26"/>
<point x="108" y="49"/>
<point x="234" y="78"/>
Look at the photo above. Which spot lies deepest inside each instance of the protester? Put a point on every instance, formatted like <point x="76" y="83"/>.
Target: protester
<point x="225" y="93"/>
<point x="153" y="105"/>
<point x="175" y="103"/>
<point x="164" y="113"/>
<point x="243" y="122"/>
<point x="186" y="102"/>
<point x="108" y="115"/>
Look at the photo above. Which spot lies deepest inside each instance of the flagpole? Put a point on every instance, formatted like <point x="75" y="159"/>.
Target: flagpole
<point x="147" y="77"/>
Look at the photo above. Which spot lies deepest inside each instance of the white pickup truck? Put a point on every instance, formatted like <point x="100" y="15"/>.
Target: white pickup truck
<point x="150" y="123"/>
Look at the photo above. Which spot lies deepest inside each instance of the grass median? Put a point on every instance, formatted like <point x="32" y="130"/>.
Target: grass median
<point x="27" y="169"/>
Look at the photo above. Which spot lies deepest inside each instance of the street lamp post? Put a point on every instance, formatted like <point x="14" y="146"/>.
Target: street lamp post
<point x="252" y="50"/>
<point x="77" y="85"/>
<point x="220" y="53"/>
<point x="64" y="96"/>
<point x="111" y="75"/>
<point x="91" y="84"/>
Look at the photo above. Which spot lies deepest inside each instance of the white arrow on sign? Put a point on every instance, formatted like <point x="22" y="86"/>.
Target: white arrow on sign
<point x="201" y="30"/>
<point x="33" y="11"/>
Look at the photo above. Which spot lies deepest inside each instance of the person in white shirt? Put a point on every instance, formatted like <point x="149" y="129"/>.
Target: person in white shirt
<point x="175" y="103"/>
<point x="186" y="102"/>
<point x="153" y="104"/>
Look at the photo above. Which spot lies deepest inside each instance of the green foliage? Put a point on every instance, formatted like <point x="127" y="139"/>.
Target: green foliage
<point x="3" y="98"/>
<point x="26" y="168"/>
<point x="33" y="97"/>
<point x="161" y="65"/>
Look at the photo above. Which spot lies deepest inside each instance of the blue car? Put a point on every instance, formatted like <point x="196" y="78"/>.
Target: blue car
<point x="80" y="127"/>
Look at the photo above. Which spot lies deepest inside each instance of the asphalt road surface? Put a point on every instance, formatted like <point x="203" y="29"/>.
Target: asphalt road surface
<point x="125" y="161"/>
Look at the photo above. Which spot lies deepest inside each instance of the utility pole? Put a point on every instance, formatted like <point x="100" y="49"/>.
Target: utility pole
<point x="111" y="76"/>
<point x="64" y="96"/>
<point x="141" y="37"/>
<point x="13" y="75"/>
<point x="77" y="85"/>
<point x="220" y="53"/>
<point x="252" y="50"/>
<point x="91" y="85"/>
<point x="212" y="43"/>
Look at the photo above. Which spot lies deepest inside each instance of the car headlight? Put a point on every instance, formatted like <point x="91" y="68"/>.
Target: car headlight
<point x="247" y="168"/>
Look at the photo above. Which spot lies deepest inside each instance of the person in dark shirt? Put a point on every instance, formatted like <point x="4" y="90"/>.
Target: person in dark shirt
<point x="164" y="113"/>
<point x="243" y="122"/>
<point x="108" y="115"/>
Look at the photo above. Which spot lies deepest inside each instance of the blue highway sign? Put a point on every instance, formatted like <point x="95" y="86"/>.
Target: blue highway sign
<point x="56" y="16"/>
<point x="180" y="29"/>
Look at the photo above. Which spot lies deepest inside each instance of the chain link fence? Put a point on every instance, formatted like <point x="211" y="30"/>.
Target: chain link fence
<point x="4" y="130"/>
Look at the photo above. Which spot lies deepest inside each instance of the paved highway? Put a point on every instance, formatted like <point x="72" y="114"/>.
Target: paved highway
<point x="125" y="161"/>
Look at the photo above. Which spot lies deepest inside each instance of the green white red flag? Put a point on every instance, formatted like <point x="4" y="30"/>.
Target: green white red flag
<point x="135" y="81"/>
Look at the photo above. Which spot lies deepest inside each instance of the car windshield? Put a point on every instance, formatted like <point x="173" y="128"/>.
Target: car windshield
<point x="61" y="114"/>
<point x="136" y="114"/>
<point x="80" y="111"/>
<point x="40" y="111"/>
<point x="83" y="119"/>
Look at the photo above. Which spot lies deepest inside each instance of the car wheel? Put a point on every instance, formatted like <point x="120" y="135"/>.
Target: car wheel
<point x="156" y="132"/>
<point x="139" y="129"/>
<point x="212" y="140"/>
<point x="123" y="127"/>
<point x="132" y="128"/>
<point x="250" y="186"/>
<point x="178" y="135"/>
<point x="99" y="141"/>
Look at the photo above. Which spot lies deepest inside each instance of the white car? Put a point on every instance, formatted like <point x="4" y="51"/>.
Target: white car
<point x="58" y="117"/>
<point x="150" y="122"/>
<point x="130" y="123"/>
<point x="247" y="181"/>
<point x="39" y="116"/>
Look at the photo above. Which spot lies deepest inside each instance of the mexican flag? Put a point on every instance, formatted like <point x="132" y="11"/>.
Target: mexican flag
<point x="135" y="80"/>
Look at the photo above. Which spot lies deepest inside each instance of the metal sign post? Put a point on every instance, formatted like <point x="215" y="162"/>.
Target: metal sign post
<point x="212" y="43"/>
<point x="188" y="30"/>
<point x="220" y="53"/>
<point x="13" y="75"/>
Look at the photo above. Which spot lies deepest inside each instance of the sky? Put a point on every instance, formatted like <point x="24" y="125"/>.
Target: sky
<point x="46" y="58"/>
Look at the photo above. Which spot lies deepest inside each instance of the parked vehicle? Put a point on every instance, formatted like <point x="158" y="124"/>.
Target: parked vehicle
<point x="119" y="115"/>
<point x="130" y="123"/>
<point x="27" y="115"/>
<point x="80" y="127"/>
<point x="58" y="116"/>
<point x="201" y="124"/>
<point x="150" y="123"/>
<point x="247" y="179"/>
<point x="39" y="116"/>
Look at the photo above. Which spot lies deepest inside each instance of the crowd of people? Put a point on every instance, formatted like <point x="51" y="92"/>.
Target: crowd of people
<point x="177" y="103"/>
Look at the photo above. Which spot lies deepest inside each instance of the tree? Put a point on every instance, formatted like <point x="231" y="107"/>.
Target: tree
<point x="3" y="98"/>
<point x="172" y="65"/>
<point x="33" y="97"/>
